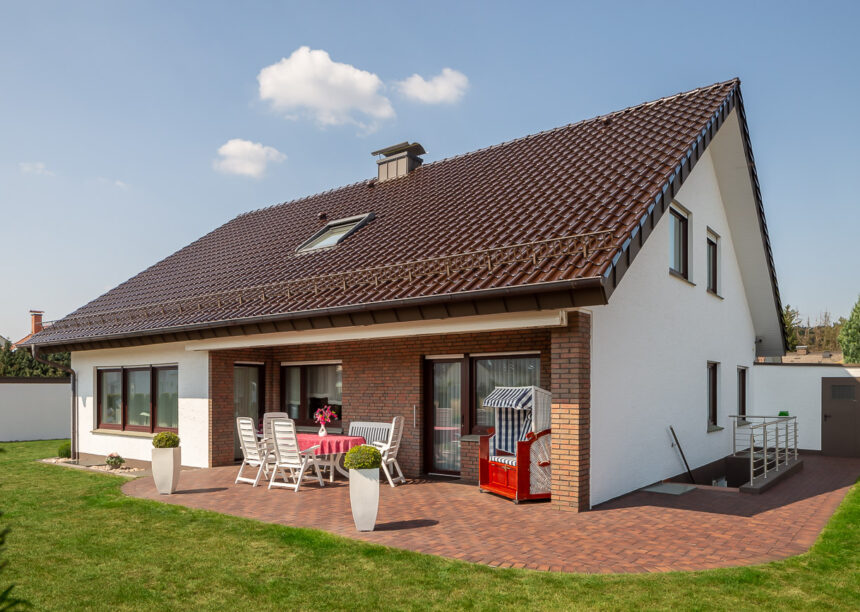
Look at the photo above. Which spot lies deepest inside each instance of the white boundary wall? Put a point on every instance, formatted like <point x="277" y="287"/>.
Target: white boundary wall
<point x="797" y="389"/>
<point x="34" y="410"/>
<point x="650" y="349"/>
<point x="193" y="371"/>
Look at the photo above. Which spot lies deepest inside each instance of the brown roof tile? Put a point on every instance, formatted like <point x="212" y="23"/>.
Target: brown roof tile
<point x="598" y="175"/>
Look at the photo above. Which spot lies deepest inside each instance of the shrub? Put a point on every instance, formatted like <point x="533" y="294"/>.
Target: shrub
<point x="166" y="439"/>
<point x="114" y="460"/>
<point x="65" y="450"/>
<point x="362" y="457"/>
<point x="849" y="336"/>
<point x="783" y="413"/>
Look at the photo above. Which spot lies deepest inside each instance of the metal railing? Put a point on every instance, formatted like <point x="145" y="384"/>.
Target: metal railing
<point x="770" y="442"/>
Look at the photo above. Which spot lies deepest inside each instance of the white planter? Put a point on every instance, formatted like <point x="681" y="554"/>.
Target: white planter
<point x="165" y="469"/>
<point x="364" y="497"/>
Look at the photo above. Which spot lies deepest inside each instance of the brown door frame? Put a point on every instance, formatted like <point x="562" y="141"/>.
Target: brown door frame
<point x="430" y="413"/>
<point x="826" y="385"/>
<point x="261" y="382"/>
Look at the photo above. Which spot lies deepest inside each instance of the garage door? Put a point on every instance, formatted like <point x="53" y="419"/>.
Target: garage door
<point x="840" y="417"/>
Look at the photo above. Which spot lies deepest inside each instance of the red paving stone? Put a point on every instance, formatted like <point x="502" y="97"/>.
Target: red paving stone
<point x="639" y="532"/>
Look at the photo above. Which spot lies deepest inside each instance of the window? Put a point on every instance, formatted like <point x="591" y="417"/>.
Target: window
<point x="712" y="394"/>
<point x="138" y="399"/>
<point x="678" y="260"/>
<point x="713" y="257"/>
<point x="492" y="372"/>
<point x="305" y="388"/>
<point x="742" y="391"/>
<point x="335" y="232"/>
<point x="842" y="392"/>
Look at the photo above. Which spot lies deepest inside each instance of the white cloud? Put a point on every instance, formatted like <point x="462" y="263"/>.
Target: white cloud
<point x="446" y="87"/>
<point x="115" y="182"/>
<point x="246" y="158"/>
<point x="34" y="168"/>
<point x="331" y="92"/>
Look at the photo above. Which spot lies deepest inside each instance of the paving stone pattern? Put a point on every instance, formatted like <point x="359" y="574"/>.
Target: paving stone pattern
<point x="639" y="532"/>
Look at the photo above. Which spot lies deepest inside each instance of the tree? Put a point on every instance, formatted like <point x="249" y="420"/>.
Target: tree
<point x="20" y="363"/>
<point x="849" y="336"/>
<point x="791" y="321"/>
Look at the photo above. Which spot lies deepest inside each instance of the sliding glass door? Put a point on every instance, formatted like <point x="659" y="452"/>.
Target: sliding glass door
<point x="446" y="417"/>
<point x="247" y="398"/>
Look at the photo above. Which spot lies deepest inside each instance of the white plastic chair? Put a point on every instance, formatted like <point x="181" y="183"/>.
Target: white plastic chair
<point x="268" y="417"/>
<point x="389" y="451"/>
<point x="254" y="452"/>
<point x="289" y="456"/>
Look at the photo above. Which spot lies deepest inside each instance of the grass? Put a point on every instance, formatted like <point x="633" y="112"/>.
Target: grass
<point x="78" y="543"/>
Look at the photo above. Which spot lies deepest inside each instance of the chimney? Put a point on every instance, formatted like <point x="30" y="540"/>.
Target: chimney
<point x="36" y="321"/>
<point x="398" y="160"/>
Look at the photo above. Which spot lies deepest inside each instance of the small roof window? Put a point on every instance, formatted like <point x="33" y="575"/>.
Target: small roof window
<point x="334" y="232"/>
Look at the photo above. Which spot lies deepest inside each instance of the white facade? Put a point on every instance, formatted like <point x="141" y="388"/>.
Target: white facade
<point x="34" y="411"/>
<point x="650" y="348"/>
<point x="797" y="389"/>
<point x="193" y="374"/>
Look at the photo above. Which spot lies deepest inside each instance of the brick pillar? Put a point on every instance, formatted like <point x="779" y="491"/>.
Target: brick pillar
<point x="570" y="350"/>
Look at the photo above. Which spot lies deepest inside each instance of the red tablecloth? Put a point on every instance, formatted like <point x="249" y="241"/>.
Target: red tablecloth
<point x="330" y="444"/>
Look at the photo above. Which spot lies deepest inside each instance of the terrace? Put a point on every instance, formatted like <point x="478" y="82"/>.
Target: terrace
<point x="640" y="532"/>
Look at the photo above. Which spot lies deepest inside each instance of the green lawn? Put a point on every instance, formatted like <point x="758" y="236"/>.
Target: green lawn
<point x="78" y="543"/>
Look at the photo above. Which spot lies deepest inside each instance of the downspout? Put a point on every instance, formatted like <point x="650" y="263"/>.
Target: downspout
<point x="74" y="380"/>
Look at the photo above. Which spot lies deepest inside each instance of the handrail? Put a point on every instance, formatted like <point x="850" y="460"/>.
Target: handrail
<point x="771" y="443"/>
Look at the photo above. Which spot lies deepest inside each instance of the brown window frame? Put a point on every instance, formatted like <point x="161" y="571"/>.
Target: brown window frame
<point x="713" y="266"/>
<point x="153" y="403"/>
<point x="742" y="391"/>
<point x="471" y="383"/>
<point x="304" y="404"/>
<point x="684" y="272"/>
<point x="713" y="393"/>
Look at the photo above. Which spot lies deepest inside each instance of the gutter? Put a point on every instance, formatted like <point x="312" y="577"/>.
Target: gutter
<point x="34" y="349"/>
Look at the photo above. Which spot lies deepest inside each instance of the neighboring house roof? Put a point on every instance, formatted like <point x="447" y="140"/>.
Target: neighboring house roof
<point x="21" y="341"/>
<point x="563" y="209"/>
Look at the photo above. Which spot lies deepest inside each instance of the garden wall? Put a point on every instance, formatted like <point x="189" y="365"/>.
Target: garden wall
<point x="34" y="408"/>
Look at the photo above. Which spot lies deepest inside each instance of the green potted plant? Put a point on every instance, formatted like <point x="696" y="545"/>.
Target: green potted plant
<point x="166" y="459"/>
<point x="363" y="463"/>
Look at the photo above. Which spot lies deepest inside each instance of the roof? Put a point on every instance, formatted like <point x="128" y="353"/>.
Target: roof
<point x="558" y="208"/>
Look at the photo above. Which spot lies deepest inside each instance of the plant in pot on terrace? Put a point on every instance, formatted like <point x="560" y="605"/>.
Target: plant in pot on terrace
<point x="166" y="460"/>
<point x="363" y="463"/>
<point x="324" y="415"/>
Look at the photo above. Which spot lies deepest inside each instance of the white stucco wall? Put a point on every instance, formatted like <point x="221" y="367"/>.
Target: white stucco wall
<point x="34" y="411"/>
<point x="797" y="389"/>
<point x="193" y="371"/>
<point x="650" y="348"/>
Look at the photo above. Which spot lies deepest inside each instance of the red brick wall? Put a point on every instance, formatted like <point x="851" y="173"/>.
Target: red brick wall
<point x="381" y="379"/>
<point x="571" y="405"/>
<point x="469" y="450"/>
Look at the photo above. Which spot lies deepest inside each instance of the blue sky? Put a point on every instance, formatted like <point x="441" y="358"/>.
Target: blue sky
<point x="112" y="115"/>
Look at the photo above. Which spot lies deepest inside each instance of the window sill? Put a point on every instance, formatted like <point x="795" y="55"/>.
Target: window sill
<point x="471" y="438"/>
<point x="681" y="277"/>
<point x="713" y="428"/>
<point x="120" y="432"/>
<point x="715" y="294"/>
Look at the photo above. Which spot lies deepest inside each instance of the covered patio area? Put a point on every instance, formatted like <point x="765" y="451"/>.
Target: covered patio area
<point x="640" y="532"/>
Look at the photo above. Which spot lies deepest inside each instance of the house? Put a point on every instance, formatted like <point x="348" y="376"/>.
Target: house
<point x="622" y="262"/>
<point x="35" y="327"/>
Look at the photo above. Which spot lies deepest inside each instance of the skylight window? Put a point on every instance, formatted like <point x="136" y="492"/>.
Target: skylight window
<point x="334" y="233"/>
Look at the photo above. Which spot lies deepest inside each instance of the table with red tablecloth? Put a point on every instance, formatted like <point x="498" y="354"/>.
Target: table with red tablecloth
<point x="331" y="448"/>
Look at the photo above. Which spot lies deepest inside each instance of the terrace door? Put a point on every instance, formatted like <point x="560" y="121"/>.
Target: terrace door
<point x="444" y="416"/>
<point x="247" y="397"/>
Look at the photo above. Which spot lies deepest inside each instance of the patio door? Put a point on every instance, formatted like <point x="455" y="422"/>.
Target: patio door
<point x="444" y="404"/>
<point x="247" y="397"/>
